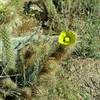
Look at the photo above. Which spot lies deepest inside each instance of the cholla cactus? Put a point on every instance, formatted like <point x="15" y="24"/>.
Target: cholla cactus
<point x="5" y="30"/>
<point x="6" y="39"/>
<point x="50" y="7"/>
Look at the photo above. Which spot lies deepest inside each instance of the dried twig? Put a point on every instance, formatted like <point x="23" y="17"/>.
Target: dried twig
<point x="10" y="76"/>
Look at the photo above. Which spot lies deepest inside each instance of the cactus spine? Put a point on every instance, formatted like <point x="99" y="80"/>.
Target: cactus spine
<point x="6" y="39"/>
<point x="5" y="32"/>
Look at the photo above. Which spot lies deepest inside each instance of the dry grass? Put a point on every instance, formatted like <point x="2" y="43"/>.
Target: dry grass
<point x="67" y="79"/>
<point x="78" y="80"/>
<point x="28" y="25"/>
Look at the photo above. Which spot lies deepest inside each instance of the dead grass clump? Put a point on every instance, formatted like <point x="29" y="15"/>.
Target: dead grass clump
<point x="28" y="25"/>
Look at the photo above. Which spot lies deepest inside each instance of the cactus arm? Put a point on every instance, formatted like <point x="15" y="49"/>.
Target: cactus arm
<point x="6" y="39"/>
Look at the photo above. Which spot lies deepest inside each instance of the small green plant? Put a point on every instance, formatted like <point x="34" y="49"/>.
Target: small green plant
<point x="89" y="39"/>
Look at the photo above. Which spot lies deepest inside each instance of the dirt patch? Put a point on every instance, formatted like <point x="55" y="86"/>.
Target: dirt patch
<point x="85" y="73"/>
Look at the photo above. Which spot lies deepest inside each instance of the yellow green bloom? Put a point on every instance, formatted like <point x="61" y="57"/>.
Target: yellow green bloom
<point x="67" y="38"/>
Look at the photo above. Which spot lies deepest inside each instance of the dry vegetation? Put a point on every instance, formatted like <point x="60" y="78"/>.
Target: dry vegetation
<point x="45" y="70"/>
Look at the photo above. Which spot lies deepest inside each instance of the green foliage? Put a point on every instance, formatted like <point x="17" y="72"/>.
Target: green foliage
<point x="82" y="8"/>
<point x="89" y="39"/>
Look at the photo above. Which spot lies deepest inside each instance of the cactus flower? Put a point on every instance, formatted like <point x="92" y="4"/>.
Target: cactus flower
<point x="67" y="38"/>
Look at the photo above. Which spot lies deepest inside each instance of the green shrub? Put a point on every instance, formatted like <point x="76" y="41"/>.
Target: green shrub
<point x="89" y="39"/>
